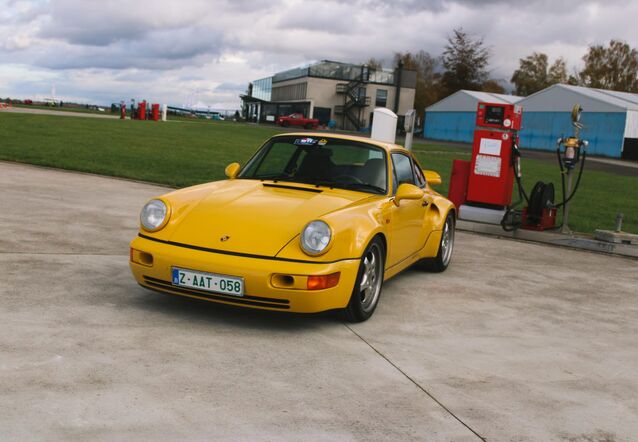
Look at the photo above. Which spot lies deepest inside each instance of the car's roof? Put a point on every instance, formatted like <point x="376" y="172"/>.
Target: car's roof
<point x="386" y="146"/>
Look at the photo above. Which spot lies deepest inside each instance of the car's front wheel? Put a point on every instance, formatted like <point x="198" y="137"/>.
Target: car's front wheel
<point x="367" y="288"/>
<point x="442" y="259"/>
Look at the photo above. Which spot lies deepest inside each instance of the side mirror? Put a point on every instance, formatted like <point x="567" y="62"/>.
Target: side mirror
<point x="432" y="177"/>
<point x="232" y="170"/>
<point x="407" y="192"/>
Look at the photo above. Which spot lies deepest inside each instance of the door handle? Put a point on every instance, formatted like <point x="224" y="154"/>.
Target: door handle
<point x="425" y="203"/>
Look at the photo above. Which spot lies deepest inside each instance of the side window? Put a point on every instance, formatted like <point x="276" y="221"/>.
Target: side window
<point x="402" y="167"/>
<point x="418" y="175"/>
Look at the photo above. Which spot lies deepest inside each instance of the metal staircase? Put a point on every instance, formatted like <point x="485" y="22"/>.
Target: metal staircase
<point x="354" y="99"/>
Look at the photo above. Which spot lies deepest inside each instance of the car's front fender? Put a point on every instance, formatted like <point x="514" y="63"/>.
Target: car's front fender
<point x="352" y="230"/>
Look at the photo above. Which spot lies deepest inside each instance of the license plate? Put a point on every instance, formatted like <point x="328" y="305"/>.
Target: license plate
<point x="211" y="282"/>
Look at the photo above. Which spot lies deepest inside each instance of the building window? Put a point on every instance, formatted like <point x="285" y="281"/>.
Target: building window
<point x="382" y="98"/>
<point x="262" y="89"/>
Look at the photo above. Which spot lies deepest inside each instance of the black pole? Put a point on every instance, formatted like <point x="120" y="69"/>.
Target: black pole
<point x="397" y="95"/>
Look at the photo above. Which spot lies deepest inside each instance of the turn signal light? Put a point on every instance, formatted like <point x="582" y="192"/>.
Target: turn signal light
<point x="323" y="281"/>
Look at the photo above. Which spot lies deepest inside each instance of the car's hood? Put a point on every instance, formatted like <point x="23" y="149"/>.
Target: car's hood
<point x="248" y="216"/>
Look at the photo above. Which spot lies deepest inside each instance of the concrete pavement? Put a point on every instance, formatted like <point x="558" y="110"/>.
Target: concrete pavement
<point x="63" y="113"/>
<point x="515" y="341"/>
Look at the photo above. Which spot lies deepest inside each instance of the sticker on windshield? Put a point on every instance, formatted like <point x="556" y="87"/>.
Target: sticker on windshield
<point x="305" y="141"/>
<point x="322" y="142"/>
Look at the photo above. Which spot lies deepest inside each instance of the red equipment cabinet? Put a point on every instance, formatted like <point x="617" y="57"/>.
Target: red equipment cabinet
<point x="457" y="193"/>
<point x="155" y="111"/>
<point x="491" y="174"/>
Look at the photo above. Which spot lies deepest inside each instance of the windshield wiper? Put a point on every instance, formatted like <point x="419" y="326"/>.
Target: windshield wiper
<point x="344" y="185"/>
<point x="363" y="187"/>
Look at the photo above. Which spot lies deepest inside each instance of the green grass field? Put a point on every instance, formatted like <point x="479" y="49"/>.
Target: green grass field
<point x="185" y="153"/>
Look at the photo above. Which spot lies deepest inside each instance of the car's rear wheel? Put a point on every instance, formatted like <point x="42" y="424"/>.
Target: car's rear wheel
<point x="284" y="123"/>
<point x="308" y="126"/>
<point x="442" y="259"/>
<point x="367" y="288"/>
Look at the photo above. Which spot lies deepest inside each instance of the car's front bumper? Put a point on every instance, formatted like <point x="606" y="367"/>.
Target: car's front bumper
<point x="257" y="272"/>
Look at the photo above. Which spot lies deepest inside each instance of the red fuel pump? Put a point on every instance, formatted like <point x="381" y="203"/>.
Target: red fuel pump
<point x="482" y="188"/>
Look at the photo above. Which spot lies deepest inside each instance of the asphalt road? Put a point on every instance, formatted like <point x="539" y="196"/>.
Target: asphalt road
<point x="516" y="341"/>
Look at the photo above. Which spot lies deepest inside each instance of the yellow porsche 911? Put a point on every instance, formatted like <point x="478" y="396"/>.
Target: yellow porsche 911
<point x="312" y="222"/>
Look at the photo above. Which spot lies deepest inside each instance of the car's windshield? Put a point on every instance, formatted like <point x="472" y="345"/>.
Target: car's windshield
<point x="331" y="162"/>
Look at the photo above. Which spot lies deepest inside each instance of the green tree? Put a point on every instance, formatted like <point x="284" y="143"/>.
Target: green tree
<point x="465" y="61"/>
<point x="493" y="86"/>
<point x="558" y="72"/>
<point x="614" y="67"/>
<point x="534" y="73"/>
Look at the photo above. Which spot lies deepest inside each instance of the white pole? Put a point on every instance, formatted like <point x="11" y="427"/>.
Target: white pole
<point x="408" y="139"/>
<point x="164" y="111"/>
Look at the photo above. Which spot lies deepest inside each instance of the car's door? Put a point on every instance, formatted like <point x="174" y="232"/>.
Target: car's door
<point x="295" y="120"/>
<point x="406" y="231"/>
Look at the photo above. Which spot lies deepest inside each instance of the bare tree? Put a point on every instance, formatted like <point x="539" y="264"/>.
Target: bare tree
<point x="374" y="63"/>
<point x="428" y="85"/>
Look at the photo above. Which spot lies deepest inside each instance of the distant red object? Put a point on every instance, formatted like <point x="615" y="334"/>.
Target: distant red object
<point x="458" y="182"/>
<point x="155" y="111"/>
<point x="298" y="120"/>
<point x="28" y="102"/>
<point x="141" y="110"/>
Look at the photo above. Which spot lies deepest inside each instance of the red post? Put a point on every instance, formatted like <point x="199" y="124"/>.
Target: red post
<point x="122" y="111"/>
<point x="155" y="111"/>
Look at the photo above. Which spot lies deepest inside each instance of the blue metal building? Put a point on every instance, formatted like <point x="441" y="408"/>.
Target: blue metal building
<point x="610" y="118"/>
<point x="453" y="118"/>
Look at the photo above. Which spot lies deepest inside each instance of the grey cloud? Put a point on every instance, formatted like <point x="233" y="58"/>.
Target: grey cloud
<point x="184" y="41"/>
<point x="157" y="50"/>
<point x="230" y="87"/>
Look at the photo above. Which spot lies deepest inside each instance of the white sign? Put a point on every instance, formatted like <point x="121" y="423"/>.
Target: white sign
<point x="487" y="165"/>
<point x="490" y="146"/>
<point x="270" y="118"/>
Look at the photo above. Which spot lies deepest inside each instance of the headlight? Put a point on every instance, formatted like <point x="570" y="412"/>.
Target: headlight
<point x="154" y="215"/>
<point x="315" y="237"/>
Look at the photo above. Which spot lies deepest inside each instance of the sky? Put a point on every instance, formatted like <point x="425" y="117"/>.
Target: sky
<point x="204" y="52"/>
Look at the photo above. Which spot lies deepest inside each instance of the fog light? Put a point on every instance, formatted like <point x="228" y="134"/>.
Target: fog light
<point x="283" y="281"/>
<point x="323" y="281"/>
<point x="139" y="257"/>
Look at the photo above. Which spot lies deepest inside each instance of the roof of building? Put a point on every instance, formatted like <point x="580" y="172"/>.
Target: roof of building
<point x="562" y="97"/>
<point x="466" y="100"/>
<point x="337" y="70"/>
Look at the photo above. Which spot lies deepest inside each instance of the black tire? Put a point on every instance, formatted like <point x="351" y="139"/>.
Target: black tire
<point x="442" y="259"/>
<point x="363" y="302"/>
<point x="284" y="124"/>
<point x="308" y="126"/>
